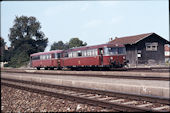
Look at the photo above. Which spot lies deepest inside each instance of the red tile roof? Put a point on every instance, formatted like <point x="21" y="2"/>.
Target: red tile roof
<point x="130" y="39"/>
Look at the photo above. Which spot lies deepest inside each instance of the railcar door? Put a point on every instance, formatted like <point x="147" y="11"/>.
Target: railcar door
<point x="58" y="60"/>
<point x="101" y="55"/>
<point x="53" y="62"/>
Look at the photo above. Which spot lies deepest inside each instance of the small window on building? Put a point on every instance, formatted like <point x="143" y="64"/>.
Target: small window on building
<point x="151" y="46"/>
<point x="139" y="55"/>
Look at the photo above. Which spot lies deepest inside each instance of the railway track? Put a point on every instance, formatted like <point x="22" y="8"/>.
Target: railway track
<point x="137" y="69"/>
<point x="151" y="69"/>
<point x="110" y="100"/>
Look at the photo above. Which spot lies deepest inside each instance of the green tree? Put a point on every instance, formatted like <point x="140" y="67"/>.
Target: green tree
<point x="59" y="46"/>
<point x="75" y="42"/>
<point x="26" y="38"/>
<point x="25" y="35"/>
<point x="2" y="50"/>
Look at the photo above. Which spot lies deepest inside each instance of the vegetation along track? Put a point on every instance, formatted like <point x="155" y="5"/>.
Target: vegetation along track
<point x="105" y="99"/>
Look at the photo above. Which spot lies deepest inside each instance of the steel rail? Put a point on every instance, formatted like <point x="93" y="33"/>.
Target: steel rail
<point x="137" y="69"/>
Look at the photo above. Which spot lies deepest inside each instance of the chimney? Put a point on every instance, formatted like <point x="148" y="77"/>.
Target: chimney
<point x="116" y="37"/>
<point x="110" y="39"/>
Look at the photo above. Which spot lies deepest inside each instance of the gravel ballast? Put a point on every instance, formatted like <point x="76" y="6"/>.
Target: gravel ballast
<point x="15" y="100"/>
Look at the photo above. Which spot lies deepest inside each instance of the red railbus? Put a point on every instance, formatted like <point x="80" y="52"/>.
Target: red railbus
<point x="98" y="56"/>
<point x="46" y="60"/>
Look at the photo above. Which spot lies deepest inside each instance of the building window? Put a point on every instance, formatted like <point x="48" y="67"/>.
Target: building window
<point x="151" y="46"/>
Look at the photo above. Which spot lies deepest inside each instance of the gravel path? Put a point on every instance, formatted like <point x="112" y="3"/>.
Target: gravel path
<point x="14" y="100"/>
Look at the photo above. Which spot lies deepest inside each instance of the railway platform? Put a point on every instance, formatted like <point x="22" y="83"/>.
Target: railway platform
<point x="135" y="86"/>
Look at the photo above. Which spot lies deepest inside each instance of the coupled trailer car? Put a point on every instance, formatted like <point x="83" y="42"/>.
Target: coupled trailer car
<point x="86" y="57"/>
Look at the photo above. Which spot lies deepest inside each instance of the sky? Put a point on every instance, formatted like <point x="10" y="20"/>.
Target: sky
<point x="93" y="22"/>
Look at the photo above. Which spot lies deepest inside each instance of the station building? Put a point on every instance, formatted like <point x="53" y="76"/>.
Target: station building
<point x="143" y="49"/>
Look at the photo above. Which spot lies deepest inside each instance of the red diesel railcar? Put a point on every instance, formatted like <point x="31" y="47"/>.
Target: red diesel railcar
<point x="104" y="55"/>
<point x="98" y="56"/>
<point x="46" y="60"/>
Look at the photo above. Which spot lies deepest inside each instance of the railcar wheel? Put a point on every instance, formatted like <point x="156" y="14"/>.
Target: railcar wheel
<point x="38" y="68"/>
<point x="51" y="68"/>
<point x="46" y="68"/>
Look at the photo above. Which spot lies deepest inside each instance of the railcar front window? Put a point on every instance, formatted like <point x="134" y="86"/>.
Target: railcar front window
<point x="121" y="50"/>
<point x="112" y="51"/>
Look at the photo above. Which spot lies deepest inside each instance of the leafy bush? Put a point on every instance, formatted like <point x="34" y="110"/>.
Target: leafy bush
<point x="19" y="59"/>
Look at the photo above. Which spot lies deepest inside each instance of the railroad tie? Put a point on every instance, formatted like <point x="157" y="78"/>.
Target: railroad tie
<point x="80" y="94"/>
<point x="162" y="107"/>
<point x="74" y="94"/>
<point x="68" y="92"/>
<point x="144" y="105"/>
<point x="118" y="100"/>
<point x="86" y="95"/>
<point x="96" y="96"/>
<point x="131" y="102"/>
<point x="103" y="98"/>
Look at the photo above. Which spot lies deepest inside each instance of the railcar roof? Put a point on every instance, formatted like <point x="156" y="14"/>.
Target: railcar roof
<point x="44" y="53"/>
<point x="95" y="47"/>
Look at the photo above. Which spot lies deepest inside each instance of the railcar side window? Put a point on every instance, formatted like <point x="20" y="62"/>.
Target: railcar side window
<point x="36" y="58"/>
<point x="84" y="53"/>
<point x="52" y="55"/>
<point x="65" y="55"/>
<point x="58" y="55"/>
<point x="70" y="54"/>
<point x="75" y="54"/>
<point x="55" y="55"/>
<point x="96" y="52"/>
<point x="46" y="56"/>
<point x="79" y="53"/>
<point x="92" y="53"/>
<point x="88" y="53"/>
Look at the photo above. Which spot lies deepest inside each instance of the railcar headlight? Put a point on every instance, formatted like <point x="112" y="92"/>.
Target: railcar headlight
<point x="123" y="57"/>
<point x="111" y="58"/>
